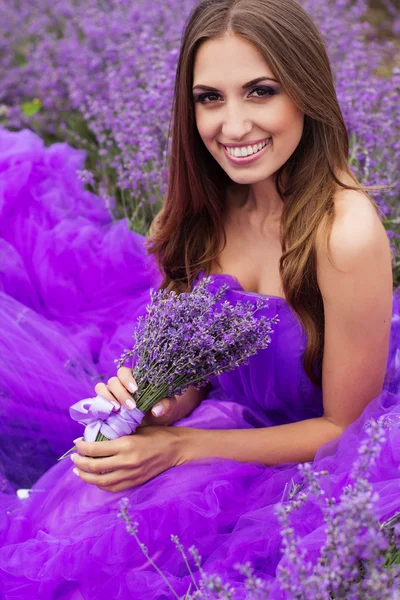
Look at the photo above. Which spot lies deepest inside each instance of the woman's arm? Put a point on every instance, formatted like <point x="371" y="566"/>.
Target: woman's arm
<point x="357" y="295"/>
<point x="294" y="442"/>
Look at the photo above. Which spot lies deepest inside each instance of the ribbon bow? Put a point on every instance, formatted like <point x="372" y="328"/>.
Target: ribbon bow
<point x="98" y="416"/>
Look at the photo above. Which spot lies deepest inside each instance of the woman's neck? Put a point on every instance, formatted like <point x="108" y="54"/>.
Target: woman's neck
<point x="243" y="204"/>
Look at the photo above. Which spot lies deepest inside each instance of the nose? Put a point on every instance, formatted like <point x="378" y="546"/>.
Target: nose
<point x="235" y="125"/>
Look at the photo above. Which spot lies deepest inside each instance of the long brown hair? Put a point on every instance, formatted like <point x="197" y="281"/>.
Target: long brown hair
<point x="186" y="235"/>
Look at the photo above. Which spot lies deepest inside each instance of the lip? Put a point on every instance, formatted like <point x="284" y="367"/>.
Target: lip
<point x="246" y="160"/>
<point x="244" y="144"/>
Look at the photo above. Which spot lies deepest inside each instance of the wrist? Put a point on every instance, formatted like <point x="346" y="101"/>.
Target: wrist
<point x="190" y="444"/>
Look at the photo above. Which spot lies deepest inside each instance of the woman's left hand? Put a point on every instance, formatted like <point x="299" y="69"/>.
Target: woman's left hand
<point x="129" y="460"/>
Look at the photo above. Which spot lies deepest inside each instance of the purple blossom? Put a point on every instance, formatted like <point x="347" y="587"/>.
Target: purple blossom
<point x="104" y="71"/>
<point x="353" y="563"/>
<point x="187" y="338"/>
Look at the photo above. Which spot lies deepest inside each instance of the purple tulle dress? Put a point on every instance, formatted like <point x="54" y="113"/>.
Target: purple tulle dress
<point x="72" y="283"/>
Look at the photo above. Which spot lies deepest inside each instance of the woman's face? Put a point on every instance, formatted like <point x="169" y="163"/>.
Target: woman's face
<point x="240" y="112"/>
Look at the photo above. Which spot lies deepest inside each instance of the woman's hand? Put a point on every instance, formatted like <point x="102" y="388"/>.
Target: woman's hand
<point x="119" y="389"/>
<point x="129" y="460"/>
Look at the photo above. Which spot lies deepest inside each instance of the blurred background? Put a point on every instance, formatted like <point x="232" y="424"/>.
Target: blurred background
<point x="99" y="75"/>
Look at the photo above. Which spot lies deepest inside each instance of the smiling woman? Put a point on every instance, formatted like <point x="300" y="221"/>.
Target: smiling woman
<point x="260" y="196"/>
<point x="240" y="116"/>
<point x="221" y="116"/>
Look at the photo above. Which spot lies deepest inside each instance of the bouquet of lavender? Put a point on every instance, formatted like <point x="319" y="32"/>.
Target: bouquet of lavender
<point x="183" y="340"/>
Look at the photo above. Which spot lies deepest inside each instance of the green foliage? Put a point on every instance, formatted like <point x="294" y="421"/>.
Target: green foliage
<point x="31" y="107"/>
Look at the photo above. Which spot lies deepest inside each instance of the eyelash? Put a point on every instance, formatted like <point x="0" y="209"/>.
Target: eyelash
<point x="202" y="97"/>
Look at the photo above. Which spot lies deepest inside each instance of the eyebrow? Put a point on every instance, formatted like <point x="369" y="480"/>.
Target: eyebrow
<point x="244" y="87"/>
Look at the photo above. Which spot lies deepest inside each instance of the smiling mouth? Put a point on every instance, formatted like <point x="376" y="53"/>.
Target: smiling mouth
<point x="246" y="151"/>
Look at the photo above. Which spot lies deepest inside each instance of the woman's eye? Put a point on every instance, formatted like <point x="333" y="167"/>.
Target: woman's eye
<point x="209" y="97"/>
<point x="203" y="97"/>
<point x="267" y="91"/>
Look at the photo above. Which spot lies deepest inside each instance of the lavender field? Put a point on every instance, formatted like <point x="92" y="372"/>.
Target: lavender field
<point x="100" y="75"/>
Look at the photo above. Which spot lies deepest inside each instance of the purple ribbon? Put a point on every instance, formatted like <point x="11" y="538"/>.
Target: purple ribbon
<point x="98" y="416"/>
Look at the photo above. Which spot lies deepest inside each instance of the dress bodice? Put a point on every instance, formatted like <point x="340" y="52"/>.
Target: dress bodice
<point x="273" y="384"/>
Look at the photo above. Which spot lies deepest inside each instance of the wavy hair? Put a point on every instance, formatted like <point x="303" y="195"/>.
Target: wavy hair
<point x="186" y="234"/>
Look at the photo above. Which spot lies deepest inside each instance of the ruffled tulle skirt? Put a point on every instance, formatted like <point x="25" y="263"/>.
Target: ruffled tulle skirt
<point x="72" y="283"/>
<point x="66" y="540"/>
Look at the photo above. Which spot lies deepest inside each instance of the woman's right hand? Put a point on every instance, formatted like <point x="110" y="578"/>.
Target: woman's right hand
<point x="118" y="391"/>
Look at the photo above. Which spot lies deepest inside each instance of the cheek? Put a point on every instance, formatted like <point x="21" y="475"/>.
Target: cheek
<point x="298" y="122"/>
<point x="287" y="120"/>
<point x="205" y="126"/>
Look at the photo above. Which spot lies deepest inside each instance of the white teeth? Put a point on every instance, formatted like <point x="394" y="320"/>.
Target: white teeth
<point x="247" y="150"/>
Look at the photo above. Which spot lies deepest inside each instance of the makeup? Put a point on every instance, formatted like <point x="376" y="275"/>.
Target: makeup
<point x="245" y="160"/>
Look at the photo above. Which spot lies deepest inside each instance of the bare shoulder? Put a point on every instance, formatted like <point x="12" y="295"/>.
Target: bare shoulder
<point x="357" y="232"/>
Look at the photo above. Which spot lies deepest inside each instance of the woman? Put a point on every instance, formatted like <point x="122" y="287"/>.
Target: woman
<point x="259" y="180"/>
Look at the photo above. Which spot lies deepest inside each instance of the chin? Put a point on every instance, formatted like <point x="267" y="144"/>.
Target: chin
<point x="249" y="178"/>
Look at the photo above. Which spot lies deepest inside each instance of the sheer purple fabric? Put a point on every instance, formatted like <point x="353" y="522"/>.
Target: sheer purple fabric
<point x="72" y="283"/>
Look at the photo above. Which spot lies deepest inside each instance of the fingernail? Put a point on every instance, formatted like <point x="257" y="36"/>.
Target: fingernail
<point x="130" y="404"/>
<point x="158" y="410"/>
<point x="75" y="471"/>
<point x="78" y="440"/>
<point x="73" y="456"/>
<point x="116" y="404"/>
<point x="132" y="387"/>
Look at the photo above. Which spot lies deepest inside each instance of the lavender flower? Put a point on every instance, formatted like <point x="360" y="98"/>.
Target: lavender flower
<point x="353" y="564"/>
<point x="103" y="74"/>
<point x="185" y="339"/>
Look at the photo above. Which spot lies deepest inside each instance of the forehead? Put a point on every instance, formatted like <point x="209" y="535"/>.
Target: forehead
<point x="229" y="57"/>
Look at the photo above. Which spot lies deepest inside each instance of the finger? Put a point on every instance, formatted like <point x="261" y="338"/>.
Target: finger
<point x="118" y="487"/>
<point x="102" y="390"/>
<point x="165" y="408"/>
<point x="126" y="378"/>
<point x="102" y="479"/>
<point x="121" y="393"/>
<point x="96" y="465"/>
<point x="162" y="413"/>
<point x="99" y="449"/>
<point x="134" y="478"/>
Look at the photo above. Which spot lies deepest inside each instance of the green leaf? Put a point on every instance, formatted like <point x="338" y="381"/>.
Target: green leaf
<point x="31" y="107"/>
